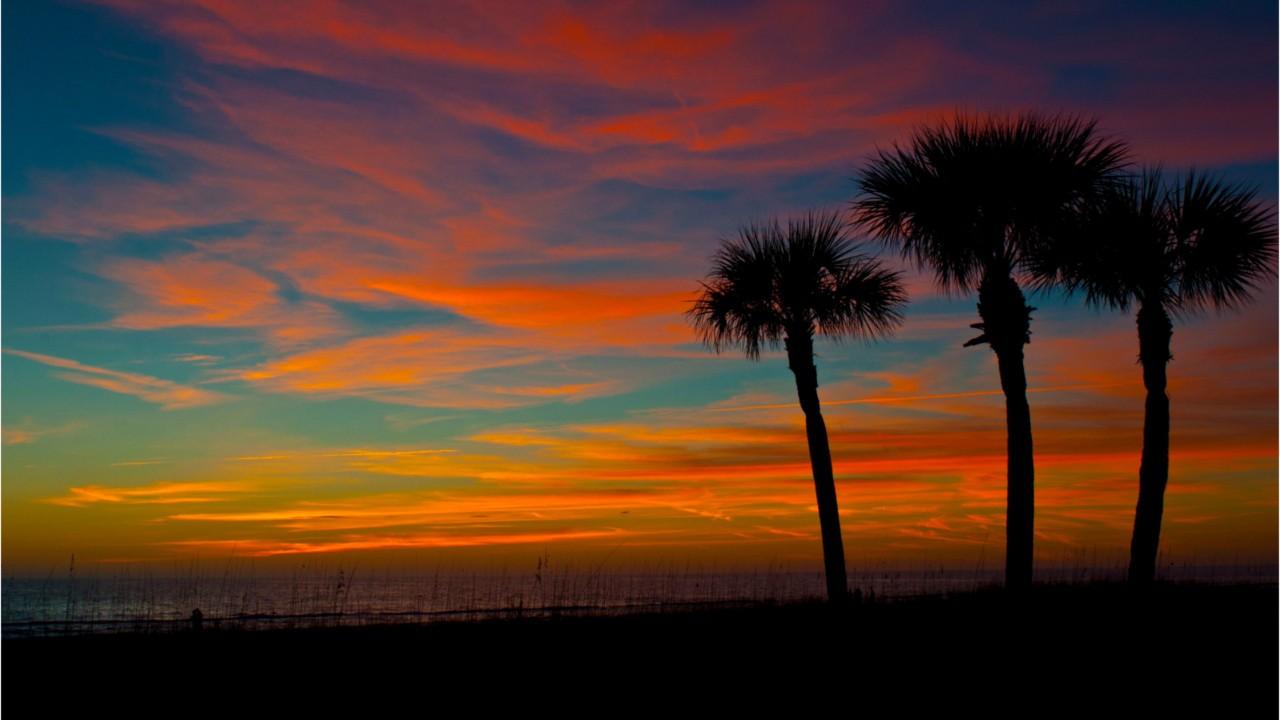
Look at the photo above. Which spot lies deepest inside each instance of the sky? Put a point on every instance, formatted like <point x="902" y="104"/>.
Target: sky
<point x="404" y="283"/>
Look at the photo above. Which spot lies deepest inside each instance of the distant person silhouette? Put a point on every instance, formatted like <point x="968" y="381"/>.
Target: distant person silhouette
<point x="197" y="620"/>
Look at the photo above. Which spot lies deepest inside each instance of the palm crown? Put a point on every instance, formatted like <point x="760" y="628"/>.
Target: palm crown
<point x="769" y="284"/>
<point x="973" y="195"/>
<point x="1184" y="245"/>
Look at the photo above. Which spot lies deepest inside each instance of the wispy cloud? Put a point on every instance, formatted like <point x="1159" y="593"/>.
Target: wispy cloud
<point x="197" y="358"/>
<point x="27" y="432"/>
<point x="354" y="453"/>
<point x="165" y="393"/>
<point x="267" y="548"/>
<point x="165" y="493"/>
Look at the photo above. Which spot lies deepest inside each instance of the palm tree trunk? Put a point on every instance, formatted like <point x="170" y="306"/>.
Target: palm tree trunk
<point x="1006" y="326"/>
<point x="800" y="357"/>
<point x="1155" y="334"/>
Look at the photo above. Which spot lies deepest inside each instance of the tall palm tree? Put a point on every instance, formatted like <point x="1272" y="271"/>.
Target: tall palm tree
<point x="1169" y="248"/>
<point x="771" y="285"/>
<point x="975" y="199"/>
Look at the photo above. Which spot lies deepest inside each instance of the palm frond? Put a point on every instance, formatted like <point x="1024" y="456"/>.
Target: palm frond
<point x="867" y="301"/>
<point x="738" y="304"/>
<point x="1183" y="245"/>
<point x="1225" y="242"/>
<point x="979" y="192"/>
<point x="1116" y="253"/>
<point x="770" y="283"/>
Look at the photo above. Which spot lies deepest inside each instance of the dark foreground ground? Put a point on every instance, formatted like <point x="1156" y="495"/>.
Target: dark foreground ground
<point x="1100" y="650"/>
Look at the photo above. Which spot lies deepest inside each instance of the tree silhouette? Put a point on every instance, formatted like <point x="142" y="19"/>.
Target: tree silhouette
<point x="1169" y="248"/>
<point x="770" y="286"/>
<point x="975" y="200"/>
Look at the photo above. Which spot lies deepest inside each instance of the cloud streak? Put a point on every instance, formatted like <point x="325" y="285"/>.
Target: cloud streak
<point x="165" y="493"/>
<point x="165" y="393"/>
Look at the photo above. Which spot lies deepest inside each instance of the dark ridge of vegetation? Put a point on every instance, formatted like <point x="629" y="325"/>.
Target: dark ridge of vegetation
<point x="1166" y="646"/>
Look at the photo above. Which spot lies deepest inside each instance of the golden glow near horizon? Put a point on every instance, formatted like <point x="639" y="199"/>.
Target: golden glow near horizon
<point x="920" y="481"/>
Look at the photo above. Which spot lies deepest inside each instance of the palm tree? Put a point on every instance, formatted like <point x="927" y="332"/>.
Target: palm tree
<point x="1170" y="249"/>
<point x="769" y="286"/>
<point x="975" y="200"/>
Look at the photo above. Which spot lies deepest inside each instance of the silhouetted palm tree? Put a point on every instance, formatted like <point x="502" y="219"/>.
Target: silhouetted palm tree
<point x="1170" y="249"/>
<point x="769" y="286"/>
<point x="975" y="200"/>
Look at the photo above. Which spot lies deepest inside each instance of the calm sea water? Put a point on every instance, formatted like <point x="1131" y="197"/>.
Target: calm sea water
<point x="141" y="601"/>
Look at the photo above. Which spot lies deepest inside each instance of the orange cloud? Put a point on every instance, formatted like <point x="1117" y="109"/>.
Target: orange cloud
<point x="165" y="393"/>
<point x="27" y="433"/>
<point x="186" y="291"/>
<point x="166" y="493"/>
<point x="604" y="314"/>
<point x="19" y="436"/>
<point x="419" y="367"/>
<point x="268" y="548"/>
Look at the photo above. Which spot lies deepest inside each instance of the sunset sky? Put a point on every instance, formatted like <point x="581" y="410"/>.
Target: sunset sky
<point x="404" y="283"/>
